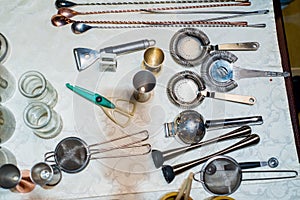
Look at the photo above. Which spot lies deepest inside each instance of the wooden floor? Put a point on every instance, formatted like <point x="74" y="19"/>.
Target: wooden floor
<point x="291" y="15"/>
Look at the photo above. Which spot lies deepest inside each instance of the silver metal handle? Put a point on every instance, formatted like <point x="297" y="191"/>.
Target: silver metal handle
<point x="249" y="100"/>
<point x="246" y="46"/>
<point x="129" y="47"/>
<point x="170" y="172"/>
<point x="233" y="122"/>
<point x="247" y="73"/>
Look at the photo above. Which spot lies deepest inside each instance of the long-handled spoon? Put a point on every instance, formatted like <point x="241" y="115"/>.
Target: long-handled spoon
<point x="79" y="28"/>
<point x="60" y="20"/>
<point x="63" y="3"/>
<point x="67" y="12"/>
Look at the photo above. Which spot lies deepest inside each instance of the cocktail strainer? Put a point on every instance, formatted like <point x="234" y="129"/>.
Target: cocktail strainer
<point x="189" y="46"/>
<point x="219" y="72"/>
<point x="186" y="89"/>
<point x="222" y="175"/>
<point x="72" y="154"/>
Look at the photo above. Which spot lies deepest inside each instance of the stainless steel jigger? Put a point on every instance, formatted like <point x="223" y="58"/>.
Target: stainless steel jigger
<point x="143" y="82"/>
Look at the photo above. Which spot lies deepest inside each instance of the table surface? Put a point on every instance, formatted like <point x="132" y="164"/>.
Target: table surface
<point x="37" y="45"/>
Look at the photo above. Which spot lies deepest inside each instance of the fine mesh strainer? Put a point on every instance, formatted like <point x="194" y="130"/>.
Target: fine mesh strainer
<point x="222" y="175"/>
<point x="189" y="46"/>
<point x="72" y="154"/>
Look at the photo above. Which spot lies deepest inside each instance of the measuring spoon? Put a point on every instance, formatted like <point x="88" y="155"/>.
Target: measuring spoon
<point x="187" y="90"/>
<point x="189" y="46"/>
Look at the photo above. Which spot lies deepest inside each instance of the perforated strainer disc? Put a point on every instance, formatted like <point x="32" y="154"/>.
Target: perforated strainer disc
<point x="184" y="88"/>
<point x="189" y="46"/>
<point x="221" y="175"/>
<point x="72" y="155"/>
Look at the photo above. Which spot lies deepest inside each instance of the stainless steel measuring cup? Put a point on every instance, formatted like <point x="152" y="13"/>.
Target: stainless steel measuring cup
<point x="187" y="90"/>
<point x="72" y="154"/>
<point x="189" y="46"/>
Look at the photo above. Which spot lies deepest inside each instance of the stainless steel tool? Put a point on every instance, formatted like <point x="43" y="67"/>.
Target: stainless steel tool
<point x="189" y="46"/>
<point x="222" y="175"/>
<point x="66" y="4"/>
<point x="186" y="89"/>
<point x="85" y="57"/>
<point x="170" y="172"/>
<point x="219" y="72"/>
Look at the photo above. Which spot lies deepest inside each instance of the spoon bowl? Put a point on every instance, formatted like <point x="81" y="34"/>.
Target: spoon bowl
<point x="79" y="28"/>
<point x="64" y="4"/>
<point x="60" y="20"/>
<point x="67" y="12"/>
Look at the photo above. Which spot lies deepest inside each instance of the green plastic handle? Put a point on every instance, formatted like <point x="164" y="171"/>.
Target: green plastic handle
<point x="93" y="97"/>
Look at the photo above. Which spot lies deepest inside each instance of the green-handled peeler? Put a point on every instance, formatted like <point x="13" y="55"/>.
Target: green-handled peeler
<point x="120" y="116"/>
<point x="93" y="97"/>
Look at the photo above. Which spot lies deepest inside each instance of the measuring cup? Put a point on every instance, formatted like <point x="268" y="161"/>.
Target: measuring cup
<point x="219" y="72"/>
<point x="187" y="90"/>
<point x="222" y="175"/>
<point x="189" y="46"/>
<point x="72" y="154"/>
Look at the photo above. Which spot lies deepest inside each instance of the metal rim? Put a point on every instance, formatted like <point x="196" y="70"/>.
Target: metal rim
<point x="181" y="34"/>
<point x="208" y="71"/>
<point x="30" y="107"/>
<point x="58" y="159"/>
<point x="37" y="75"/>
<point x="174" y="98"/>
<point x="208" y="162"/>
<point x="4" y="47"/>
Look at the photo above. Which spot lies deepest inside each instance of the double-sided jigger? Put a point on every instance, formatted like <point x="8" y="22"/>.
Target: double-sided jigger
<point x="144" y="83"/>
<point x="45" y="175"/>
<point x="10" y="176"/>
<point x="153" y="60"/>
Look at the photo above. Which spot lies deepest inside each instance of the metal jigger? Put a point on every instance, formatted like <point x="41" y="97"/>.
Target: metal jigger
<point x="153" y="60"/>
<point x="143" y="82"/>
<point x="10" y="176"/>
<point x="41" y="174"/>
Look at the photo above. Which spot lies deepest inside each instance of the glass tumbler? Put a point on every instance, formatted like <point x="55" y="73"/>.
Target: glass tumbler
<point x="43" y="120"/>
<point x="7" y="124"/>
<point x="7" y="84"/>
<point x="35" y="87"/>
<point x="7" y="157"/>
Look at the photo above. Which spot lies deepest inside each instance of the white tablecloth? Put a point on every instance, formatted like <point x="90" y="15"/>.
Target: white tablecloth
<point x="37" y="45"/>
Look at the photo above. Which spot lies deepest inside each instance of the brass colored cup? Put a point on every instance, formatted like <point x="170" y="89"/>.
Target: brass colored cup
<point x="153" y="60"/>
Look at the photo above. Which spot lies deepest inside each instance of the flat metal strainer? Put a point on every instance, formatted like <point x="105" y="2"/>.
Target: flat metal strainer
<point x="187" y="89"/>
<point x="189" y="46"/>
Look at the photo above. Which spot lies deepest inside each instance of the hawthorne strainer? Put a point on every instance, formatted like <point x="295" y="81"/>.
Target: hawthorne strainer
<point x="187" y="89"/>
<point x="189" y="46"/>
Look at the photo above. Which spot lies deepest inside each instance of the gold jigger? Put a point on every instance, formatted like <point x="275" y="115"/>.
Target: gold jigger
<point x="153" y="60"/>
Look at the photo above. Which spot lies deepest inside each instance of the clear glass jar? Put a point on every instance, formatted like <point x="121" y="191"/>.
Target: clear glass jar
<point x="7" y="84"/>
<point x="7" y="124"/>
<point x="35" y="87"/>
<point x="44" y="121"/>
